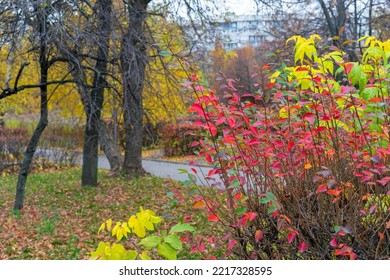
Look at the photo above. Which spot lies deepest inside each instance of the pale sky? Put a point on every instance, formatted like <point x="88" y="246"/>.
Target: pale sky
<point x="241" y="7"/>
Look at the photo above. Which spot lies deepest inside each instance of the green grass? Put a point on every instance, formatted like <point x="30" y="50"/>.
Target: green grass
<point x="60" y="219"/>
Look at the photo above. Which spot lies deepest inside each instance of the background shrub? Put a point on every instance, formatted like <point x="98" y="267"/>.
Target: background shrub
<point x="177" y="138"/>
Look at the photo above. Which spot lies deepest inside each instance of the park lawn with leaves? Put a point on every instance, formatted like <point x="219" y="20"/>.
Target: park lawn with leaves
<point x="60" y="219"/>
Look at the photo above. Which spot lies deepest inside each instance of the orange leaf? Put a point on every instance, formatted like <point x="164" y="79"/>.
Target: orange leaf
<point x="258" y="235"/>
<point x="200" y="204"/>
<point x="308" y="165"/>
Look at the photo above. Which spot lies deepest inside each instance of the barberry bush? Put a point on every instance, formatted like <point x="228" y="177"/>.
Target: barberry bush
<point x="302" y="165"/>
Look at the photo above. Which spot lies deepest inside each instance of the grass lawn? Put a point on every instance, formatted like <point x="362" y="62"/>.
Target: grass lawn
<point x="60" y="219"/>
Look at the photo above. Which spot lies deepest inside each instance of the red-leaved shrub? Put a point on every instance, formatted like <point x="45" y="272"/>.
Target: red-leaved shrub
<point x="307" y="176"/>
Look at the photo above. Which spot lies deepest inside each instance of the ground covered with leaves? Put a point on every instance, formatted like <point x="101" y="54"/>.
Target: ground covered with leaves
<point x="60" y="219"/>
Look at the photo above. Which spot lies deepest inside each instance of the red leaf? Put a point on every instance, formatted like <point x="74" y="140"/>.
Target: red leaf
<point x="333" y="242"/>
<point x="302" y="247"/>
<point x="334" y="192"/>
<point x="194" y="171"/>
<point x="322" y="188"/>
<point x="269" y="85"/>
<point x="310" y="117"/>
<point x="290" y="145"/>
<point x="348" y="67"/>
<point x="229" y="139"/>
<point x="196" y="108"/>
<point x="208" y="158"/>
<point x="375" y="100"/>
<point x="194" y="144"/>
<point x="212" y="172"/>
<point x="341" y="233"/>
<point x="278" y="95"/>
<point x="266" y="66"/>
<point x="301" y="68"/>
<point x="213" y="129"/>
<point x="231" y="122"/>
<point x="321" y="129"/>
<point x="278" y="143"/>
<point x="344" y="251"/>
<point x="213" y="218"/>
<point x="251" y="215"/>
<point x="384" y="181"/>
<point x="201" y="247"/>
<point x="291" y="237"/>
<point x="211" y="240"/>
<point x="258" y="235"/>
<point x="231" y="244"/>
<point x="193" y="249"/>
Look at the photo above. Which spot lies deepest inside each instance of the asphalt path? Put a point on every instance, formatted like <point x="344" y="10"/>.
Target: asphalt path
<point x="164" y="169"/>
<point x="159" y="168"/>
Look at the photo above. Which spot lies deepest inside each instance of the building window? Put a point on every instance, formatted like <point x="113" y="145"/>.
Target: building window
<point x="252" y="39"/>
<point x="233" y="26"/>
<point x="260" y="38"/>
<point x="231" y="46"/>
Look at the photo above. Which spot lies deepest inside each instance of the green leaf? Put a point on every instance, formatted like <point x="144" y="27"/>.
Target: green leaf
<point x="181" y="228"/>
<point x="144" y="256"/>
<point x="174" y="241"/>
<point x="271" y="209"/>
<point x="264" y="200"/>
<point x="355" y="74"/>
<point x="273" y="199"/>
<point x="240" y="210"/>
<point x="131" y="255"/>
<point x="182" y="170"/>
<point x="165" y="53"/>
<point x="150" y="241"/>
<point x="234" y="184"/>
<point x="369" y="92"/>
<point x="165" y="250"/>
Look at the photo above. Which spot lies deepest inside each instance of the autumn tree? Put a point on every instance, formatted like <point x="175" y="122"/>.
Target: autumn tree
<point x="30" y="20"/>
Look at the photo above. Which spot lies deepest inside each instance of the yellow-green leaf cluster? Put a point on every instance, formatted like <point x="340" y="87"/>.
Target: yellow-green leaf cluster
<point x="305" y="47"/>
<point x="142" y="221"/>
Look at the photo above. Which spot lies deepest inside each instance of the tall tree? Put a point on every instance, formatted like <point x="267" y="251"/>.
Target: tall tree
<point x="94" y="103"/>
<point x="31" y="19"/>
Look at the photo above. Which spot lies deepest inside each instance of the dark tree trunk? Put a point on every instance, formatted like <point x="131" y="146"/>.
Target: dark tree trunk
<point x="133" y="63"/>
<point x="43" y="121"/>
<point x="94" y="103"/>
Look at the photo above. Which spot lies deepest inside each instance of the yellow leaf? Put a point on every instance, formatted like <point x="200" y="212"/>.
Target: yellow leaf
<point x="109" y="224"/>
<point x="102" y="227"/>
<point x="144" y="256"/>
<point x="116" y="228"/>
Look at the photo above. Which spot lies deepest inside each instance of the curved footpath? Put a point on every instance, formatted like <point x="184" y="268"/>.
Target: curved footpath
<point x="159" y="168"/>
<point x="163" y="169"/>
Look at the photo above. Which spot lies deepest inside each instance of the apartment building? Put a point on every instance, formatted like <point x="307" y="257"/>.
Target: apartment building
<point x="240" y="31"/>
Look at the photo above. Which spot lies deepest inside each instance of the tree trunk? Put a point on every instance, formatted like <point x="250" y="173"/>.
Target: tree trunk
<point x="94" y="103"/>
<point x="133" y="63"/>
<point x="43" y="121"/>
<point x="110" y="148"/>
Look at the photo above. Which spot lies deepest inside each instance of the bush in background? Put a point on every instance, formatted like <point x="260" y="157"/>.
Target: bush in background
<point x="13" y="142"/>
<point x="177" y="139"/>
